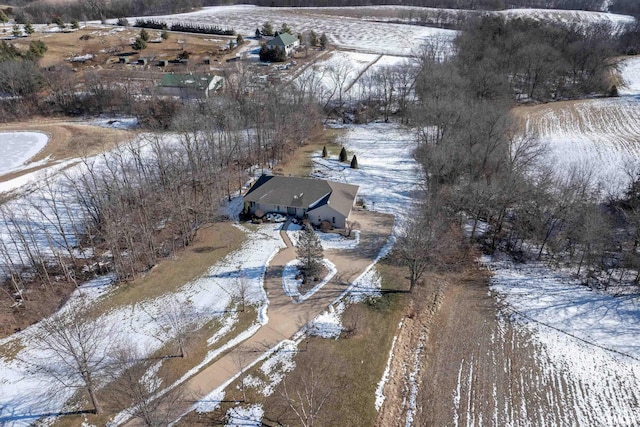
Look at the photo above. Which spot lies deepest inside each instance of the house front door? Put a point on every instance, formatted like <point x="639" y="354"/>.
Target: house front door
<point x="291" y="211"/>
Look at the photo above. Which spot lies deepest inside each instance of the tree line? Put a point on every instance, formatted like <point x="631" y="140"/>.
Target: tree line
<point x="484" y="176"/>
<point x="40" y="11"/>
<point x="125" y="210"/>
<point x="184" y="27"/>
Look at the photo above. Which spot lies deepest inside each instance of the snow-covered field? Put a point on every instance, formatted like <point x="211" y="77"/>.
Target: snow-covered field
<point x="350" y="33"/>
<point x="587" y="342"/>
<point x="599" y="137"/>
<point x="570" y="17"/>
<point x="630" y="74"/>
<point x="345" y="74"/>
<point x="18" y="148"/>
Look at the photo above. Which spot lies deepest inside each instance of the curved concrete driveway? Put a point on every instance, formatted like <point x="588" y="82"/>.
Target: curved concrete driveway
<point x="287" y="318"/>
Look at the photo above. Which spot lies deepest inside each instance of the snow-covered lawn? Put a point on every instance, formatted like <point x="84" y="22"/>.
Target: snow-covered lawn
<point x="352" y="33"/>
<point x="329" y="240"/>
<point x="291" y="284"/>
<point x="18" y="148"/>
<point x="388" y="175"/>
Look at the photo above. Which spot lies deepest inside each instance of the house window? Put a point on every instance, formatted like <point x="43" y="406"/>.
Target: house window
<point x="252" y="204"/>
<point x="319" y="219"/>
<point x="277" y="208"/>
<point x="334" y="220"/>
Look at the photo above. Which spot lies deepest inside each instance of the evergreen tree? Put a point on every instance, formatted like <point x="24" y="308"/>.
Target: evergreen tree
<point x="285" y="29"/>
<point x="267" y="29"/>
<point x="324" y="41"/>
<point x="258" y="33"/>
<point x="59" y="22"/>
<point x="37" y="48"/>
<point x="28" y="28"/>
<point x="139" y="44"/>
<point x="239" y="40"/>
<point x="164" y="35"/>
<point x="17" y="32"/>
<point x="75" y="24"/>
<point x="343" y="155"/>
<point x="3" y="17"/>
<point x="324" y="152"/>
<point x="309" y="253"/>
<point x="614" y="91"/>
<point x="144" y="35"/>
<point x="354" y="162"/>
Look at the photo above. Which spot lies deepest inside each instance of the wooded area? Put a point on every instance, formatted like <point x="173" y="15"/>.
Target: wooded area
<point x="479" y="168"/>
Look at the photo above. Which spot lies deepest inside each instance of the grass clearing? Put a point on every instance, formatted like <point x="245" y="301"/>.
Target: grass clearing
<point x="300" y="163"/>
<point x="172" y="368"/>
<point x="212" y="243"/>
<point x="350" y="367"/>
<point x="11" y="348"/>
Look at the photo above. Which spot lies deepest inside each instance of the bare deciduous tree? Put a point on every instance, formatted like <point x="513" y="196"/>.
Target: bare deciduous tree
<point x="135" y="385"/>
<point x="78" y="348"/>
<point x="307" y="399"/>
<point x="178" y="318"/>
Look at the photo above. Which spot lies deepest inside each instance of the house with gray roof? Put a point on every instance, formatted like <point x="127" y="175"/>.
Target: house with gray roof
<point x="284" y="41"/>
<point x="189" y="86"/>
<point x="317" y="199"/>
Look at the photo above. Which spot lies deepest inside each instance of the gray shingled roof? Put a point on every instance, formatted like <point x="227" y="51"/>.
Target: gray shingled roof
<point x="302" y="193"/>
<point x="342" y="196"/>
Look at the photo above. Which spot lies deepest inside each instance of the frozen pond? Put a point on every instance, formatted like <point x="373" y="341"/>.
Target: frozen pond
<point x="18" y="147"/>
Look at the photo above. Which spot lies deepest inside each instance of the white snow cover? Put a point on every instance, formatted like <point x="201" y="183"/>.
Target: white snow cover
<point x="588" y="339"/>
<point x="550" y="297"/>
<point x="630" y="73"/>
<point x="210" y="402"/>
<point x="328" y="240"/>
<point x="571" y="17"/>
<point x="600" y="137"/>
<point x="18" y="148"/>
<point x="367" y="285"/>
<point x="387" y="174"/>
<point x="328" y="324"/>
<point x="277" y="365"/>
<point x="207" y="298"/>
<point x="245" y="416"/>
<point x="336" y="74"/>
<point x="352" y="33"/>
<point x="291" y="285"/>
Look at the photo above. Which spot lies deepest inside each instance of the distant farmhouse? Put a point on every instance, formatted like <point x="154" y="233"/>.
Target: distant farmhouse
<point x="284" y="41"/>
<point x="189" y="86"/>
<point x="317" y="199"/>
